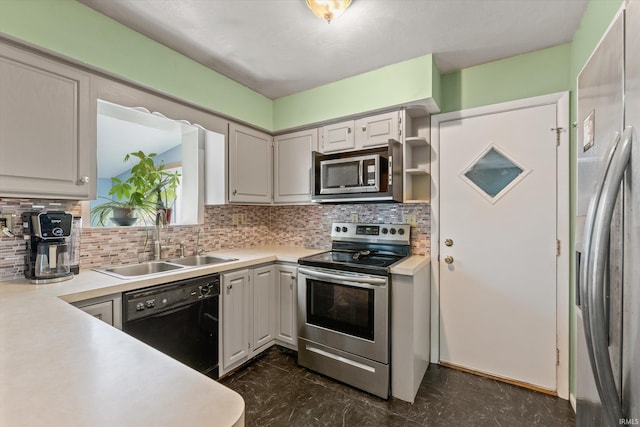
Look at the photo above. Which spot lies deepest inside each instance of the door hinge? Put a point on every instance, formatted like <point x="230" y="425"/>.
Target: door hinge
<point x="557" y="130"/>
<point x="557" y="356"/>
<point x="557" y="247"/>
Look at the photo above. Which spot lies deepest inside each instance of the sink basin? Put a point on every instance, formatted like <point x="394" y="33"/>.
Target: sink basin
<point x="156" y="267"/>
<point x="142" y="269"/>
<point x="197" y="260"/>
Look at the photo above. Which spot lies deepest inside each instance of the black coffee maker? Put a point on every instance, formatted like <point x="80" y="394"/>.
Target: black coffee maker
<point x="47" y="258"/>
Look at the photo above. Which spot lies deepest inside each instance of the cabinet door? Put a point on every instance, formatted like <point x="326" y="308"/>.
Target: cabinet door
<point x="263" y="288"/>
<point x="338" y="137"/>
<point x="102" y="311"/>
<point x="292" y="166"/>
<point x="377" y="130"/>
<point x="107" y="308"/>
<point x="47" y="128"/>
<point x="250" y="162"/>
<point x="235" y="318"/>
<point x="286" y="299"/>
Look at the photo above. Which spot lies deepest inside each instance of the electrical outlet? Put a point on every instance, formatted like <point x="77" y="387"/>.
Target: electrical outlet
<point x="354" y="217"/>
<point x="243" y="219"/>
<point x="409" y="219"/>
<point x="5" y="221"/>
<point x="235" y="219"/>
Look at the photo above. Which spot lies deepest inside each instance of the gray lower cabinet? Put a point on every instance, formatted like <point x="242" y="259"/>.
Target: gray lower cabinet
<point x="234" y="334"/>
<point x="286" y="301"/>
<point x="107" y="308"/>
<point x="258" y="310"/>
<point x="47" y="128"/>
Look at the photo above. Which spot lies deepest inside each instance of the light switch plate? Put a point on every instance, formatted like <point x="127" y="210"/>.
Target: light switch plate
<point x="354" y="217"/>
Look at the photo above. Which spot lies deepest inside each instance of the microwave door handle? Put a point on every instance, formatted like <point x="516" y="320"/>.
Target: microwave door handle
<point x="360" y="173"/>
<point x="596" y="270"/>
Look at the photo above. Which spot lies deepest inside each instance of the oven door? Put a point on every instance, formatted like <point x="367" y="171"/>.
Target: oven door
<point x="344" y="310"/>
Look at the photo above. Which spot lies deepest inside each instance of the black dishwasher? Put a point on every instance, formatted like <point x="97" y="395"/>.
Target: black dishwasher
<point x="180" y="319"/>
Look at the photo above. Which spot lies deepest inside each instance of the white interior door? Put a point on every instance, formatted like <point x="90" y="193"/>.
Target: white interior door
<point x="498" y="244"/>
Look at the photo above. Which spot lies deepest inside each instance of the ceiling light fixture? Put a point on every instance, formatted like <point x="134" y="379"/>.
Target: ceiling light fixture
<point x="328" y="9"/>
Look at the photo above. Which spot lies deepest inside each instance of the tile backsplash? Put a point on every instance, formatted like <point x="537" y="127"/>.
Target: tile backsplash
<point x="300" y="225"/>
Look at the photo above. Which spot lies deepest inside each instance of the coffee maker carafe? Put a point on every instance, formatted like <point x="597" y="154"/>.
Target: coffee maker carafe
<point x="47" y="258"/>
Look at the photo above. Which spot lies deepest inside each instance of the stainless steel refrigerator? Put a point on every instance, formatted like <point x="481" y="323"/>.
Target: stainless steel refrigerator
<point x="608" y="228"/>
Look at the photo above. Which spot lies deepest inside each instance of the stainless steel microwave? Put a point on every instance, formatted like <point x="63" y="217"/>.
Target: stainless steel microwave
<point x="350" y="175"/>
<point x="374" y="174"/>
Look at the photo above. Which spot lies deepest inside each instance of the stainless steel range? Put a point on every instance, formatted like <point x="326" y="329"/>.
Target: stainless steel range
<point x="343" y="304"/>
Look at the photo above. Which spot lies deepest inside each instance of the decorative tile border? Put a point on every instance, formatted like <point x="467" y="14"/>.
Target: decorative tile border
<point x="304" y="225"/>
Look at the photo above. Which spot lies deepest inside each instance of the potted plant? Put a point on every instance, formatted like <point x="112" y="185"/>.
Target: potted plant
<point x="149" y="189"/>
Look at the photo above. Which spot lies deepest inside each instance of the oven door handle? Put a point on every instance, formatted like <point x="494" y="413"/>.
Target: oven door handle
<point x="343" y="277"/>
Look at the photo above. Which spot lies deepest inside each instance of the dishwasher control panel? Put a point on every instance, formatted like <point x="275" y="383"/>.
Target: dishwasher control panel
<point x="149" y="301"/>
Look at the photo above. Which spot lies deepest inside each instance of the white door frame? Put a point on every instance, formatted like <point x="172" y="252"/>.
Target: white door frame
<point x="561" y="100"/>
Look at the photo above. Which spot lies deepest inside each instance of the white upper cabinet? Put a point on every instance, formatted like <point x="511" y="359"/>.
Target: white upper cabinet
<point x="292" y="166"/>
<point x="338" y="137"/>
<point x="47" y="128"/>
<point x="367" y="132"/>
<point x="250" y="165"/>
<point x="376" y="131"/>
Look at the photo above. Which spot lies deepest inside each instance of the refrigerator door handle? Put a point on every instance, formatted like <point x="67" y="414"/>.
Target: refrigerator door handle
<point x="588" y="231"/>
<point x="595" y="277"/>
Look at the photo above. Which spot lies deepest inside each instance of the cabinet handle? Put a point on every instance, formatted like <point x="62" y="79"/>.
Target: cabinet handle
<point x="348" y="130"/>
<point x="235" y="192"/>
<point x="229" y="287"/>
<point x="83" y="180"/>
<point x="364" y="128"/>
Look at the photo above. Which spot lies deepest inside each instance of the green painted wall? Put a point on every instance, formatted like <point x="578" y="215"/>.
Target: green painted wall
<point x="396" y="84"/>
<point x="594" y="23"/>
<point x="69" y="28"/>
<point x="522" y="76"/>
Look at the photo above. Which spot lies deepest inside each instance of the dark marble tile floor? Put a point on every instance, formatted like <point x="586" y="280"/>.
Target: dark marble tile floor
<point x="278" y="392"/>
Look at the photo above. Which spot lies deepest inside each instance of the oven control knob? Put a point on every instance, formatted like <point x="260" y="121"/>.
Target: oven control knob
<point x="393" y="231"/>
<point x="401" y="231"/>
<point x="337" y="229"/>
<point x="150" y="303"/>
<point x="385" y="231"/>
<point x="140" y="306"/>
<point x="344" y="229"/>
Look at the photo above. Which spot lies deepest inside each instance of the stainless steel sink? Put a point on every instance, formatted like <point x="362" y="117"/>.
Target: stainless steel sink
<point x="198" y="260"/>
<point x="156" y="267"/>
<point x="142" y="269"/>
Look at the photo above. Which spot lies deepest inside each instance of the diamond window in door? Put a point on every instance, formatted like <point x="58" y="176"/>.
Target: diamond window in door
<point x="493" y="173"/>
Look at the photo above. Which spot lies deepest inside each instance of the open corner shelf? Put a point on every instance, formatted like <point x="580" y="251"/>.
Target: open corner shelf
<point x="416" y="141"/>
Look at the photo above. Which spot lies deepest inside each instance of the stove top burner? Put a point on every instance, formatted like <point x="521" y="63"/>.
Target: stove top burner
<point x="363" y="261"/>
<point x="363" y="248"/>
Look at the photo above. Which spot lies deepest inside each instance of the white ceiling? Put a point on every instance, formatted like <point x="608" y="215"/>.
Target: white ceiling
<point x="278" y="47"/>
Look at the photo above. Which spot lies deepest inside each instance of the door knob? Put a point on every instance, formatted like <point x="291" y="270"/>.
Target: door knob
<point x="448" y="242"/>
<point x="448" y="259"/>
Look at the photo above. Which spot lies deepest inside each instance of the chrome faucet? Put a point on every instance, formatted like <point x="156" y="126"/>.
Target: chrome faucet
<point x="157" y="244"/>
<point x="198" y="250"/>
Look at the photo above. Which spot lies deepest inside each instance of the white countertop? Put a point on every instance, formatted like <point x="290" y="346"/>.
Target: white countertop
<point x="61" y="366"/>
